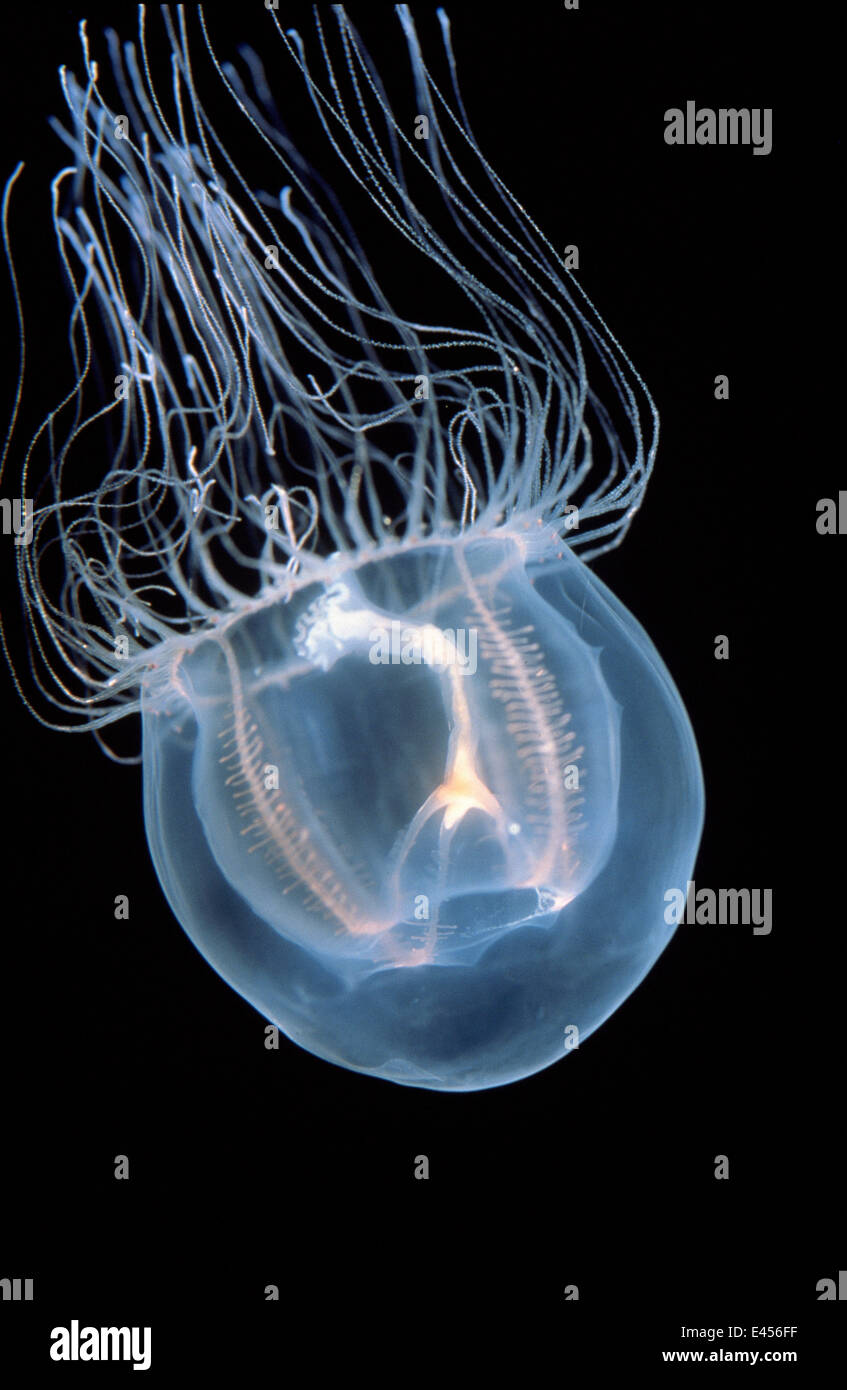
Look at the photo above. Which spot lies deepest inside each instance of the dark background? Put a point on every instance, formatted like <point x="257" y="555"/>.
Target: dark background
<point x="251" y="1167"/>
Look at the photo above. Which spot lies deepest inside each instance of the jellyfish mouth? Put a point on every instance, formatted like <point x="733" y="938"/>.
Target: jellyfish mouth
<point x="466" y="925"/>
<point x="492" y="913"/>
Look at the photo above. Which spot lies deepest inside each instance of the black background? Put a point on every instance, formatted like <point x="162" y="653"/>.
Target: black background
<point x="251" y="1167"/>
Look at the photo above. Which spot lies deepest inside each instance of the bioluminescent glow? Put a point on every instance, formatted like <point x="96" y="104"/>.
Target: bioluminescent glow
<point x="415" y="782"/>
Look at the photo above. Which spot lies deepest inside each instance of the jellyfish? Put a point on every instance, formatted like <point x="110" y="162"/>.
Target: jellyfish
<point x="416" y="784"/>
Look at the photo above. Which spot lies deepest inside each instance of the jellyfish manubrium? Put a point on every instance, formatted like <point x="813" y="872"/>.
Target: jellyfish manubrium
<point x="415" y="782"/>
